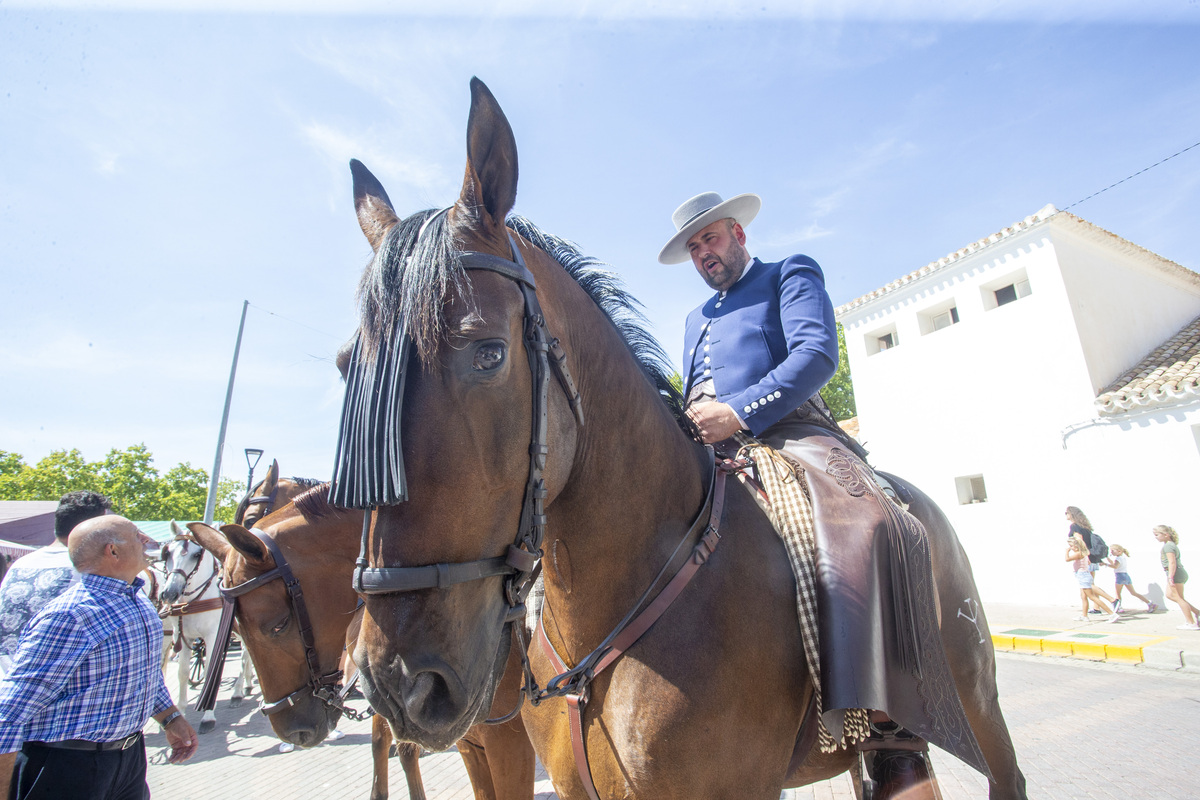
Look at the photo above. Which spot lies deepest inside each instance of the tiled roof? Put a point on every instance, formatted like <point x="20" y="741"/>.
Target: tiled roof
<point x="1169" y="375"/>
<point x="1047" y="213"/>
<point x="850" y="426"/>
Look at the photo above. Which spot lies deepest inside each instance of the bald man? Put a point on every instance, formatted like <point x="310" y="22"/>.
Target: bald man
<point x="86" y="678"/>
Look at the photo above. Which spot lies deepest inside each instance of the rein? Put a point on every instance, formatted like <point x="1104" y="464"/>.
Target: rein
<point x="322" y="685"/>
<point x="574" y="683"/>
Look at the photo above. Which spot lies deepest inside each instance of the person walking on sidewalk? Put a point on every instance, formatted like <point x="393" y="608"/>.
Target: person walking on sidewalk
<point x="1120" y="565"/>
<point x="1082" y="527"/>
<point x="1176" y="575"/>
<point x="86" y="678"/>
<point x="1077" y="556"/>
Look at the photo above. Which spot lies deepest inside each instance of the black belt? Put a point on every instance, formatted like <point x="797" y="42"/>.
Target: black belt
<point x="83" y="744"/>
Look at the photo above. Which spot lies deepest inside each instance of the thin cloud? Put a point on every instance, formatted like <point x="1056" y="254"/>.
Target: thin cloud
<point x="814" y="10"/>
<point x="806" y="234"/>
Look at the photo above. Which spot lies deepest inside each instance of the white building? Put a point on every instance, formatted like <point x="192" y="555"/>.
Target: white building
<point x="1050" y="364"/>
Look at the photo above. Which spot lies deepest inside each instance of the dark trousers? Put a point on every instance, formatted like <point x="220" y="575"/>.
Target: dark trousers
<point x="47" y="773"/>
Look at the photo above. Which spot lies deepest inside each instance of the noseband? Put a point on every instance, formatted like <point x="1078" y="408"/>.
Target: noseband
<point x="322" y="685"/>
<point x="521" y="562"/>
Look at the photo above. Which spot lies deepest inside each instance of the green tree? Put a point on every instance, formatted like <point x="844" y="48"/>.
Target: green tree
<point x="127" y="477"/>
<point x="677" y="382"/>
<point x="183" y="491"/>
<point x="58" y="473"/>
<point x="131" y="482"/>
<point x="839" y="392"/>
<point x="230" y="492"/>
<point x="12" y="472"/>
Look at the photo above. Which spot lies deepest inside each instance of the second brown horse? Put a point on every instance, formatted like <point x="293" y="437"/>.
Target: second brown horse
<point x="319" y="544"/>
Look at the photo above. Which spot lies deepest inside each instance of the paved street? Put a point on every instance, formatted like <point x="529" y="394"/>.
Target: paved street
<point x="1082" y="730"/>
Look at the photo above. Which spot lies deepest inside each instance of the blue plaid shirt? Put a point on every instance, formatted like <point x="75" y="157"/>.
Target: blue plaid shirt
<point x="87" y="668"/>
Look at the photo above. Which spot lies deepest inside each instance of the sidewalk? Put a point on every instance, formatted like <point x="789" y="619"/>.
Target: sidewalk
<point x="1147" y="640"/>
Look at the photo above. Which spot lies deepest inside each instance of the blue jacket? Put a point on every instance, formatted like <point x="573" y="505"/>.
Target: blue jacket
<point x="769" y="345"/>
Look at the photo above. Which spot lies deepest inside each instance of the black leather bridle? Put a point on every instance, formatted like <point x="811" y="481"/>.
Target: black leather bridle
<point x="323" y="685"/>
<point x="521" y="562"/>
<point x="267" y="500"/>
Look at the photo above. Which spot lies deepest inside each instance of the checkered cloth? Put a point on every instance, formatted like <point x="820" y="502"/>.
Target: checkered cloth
<point x="792" y="515"/>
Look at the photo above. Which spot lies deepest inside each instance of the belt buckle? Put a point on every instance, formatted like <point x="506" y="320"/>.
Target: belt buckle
<point x="129" y="740"/>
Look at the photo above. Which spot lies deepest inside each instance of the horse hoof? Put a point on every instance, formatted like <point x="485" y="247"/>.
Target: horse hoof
<point x="234" y="702"/>
<point x="207" y="726"/>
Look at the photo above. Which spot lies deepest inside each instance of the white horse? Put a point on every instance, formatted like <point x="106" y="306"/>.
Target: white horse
<point x="154" y="577"/>
<point x="192" y="592"/>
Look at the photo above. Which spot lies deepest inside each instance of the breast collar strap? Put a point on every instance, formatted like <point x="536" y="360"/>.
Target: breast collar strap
<point x="574" y="683"/>
<point x="323" y="685"/>
<point x="522" y="560"/>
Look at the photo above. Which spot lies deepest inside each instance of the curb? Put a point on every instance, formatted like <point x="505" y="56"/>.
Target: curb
<point x="1161" y="652"/>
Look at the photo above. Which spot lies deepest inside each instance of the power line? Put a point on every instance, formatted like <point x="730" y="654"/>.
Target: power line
<point x="1134" y="175"/>
<point x="297" y="322"/>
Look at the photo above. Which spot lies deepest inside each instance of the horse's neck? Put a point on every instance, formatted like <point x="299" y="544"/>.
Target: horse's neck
<point x="633" y="496"/>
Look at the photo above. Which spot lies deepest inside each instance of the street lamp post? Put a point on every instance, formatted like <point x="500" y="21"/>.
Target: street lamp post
<point x="210" y="505"/>
<point x="256" y="454"/>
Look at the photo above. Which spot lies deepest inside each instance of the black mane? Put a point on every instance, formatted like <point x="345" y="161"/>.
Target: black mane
<point x="402" y="297"/>
<point x="411" y="278"/>
<point x="314" y="503"/>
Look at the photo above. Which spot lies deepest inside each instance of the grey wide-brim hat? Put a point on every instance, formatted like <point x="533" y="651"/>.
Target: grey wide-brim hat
<point x="702" y="211"/>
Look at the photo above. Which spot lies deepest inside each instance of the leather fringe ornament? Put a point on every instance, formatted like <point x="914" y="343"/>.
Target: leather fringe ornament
<point x="792" y="515"/>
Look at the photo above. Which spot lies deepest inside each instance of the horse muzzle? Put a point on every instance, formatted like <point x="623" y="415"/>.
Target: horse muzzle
<point x="425" y="702"/>
<point x="307" y="723"/>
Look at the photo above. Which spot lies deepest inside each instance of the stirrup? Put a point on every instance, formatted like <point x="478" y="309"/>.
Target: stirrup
<point x="890" y="736"/>
<point x="892" y="761"/>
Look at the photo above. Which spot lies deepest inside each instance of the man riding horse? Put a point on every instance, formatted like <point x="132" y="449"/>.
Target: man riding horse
<point x="756" y="354"/>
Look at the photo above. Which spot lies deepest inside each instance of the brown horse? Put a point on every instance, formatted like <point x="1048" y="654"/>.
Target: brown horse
<point x="710" y="702"/>
<point x="272" y="492"/>
<point x="319" y="544"/>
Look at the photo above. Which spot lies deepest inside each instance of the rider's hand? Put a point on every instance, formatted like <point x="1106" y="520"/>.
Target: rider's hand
<point x="715" y="421"/>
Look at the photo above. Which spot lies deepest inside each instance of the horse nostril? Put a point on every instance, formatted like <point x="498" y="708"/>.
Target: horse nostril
<point x="429" y="700"/>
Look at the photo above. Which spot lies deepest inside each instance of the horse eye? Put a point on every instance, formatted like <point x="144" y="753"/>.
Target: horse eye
<point x="488" y="356"/>
<point x="281" y="626"/>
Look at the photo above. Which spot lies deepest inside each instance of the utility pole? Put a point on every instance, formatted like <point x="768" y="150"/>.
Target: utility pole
<point x="211" y="506"/>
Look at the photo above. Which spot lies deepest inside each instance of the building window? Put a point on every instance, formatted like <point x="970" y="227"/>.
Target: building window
<point x="1004" y="290"/>
<point x="971" y="489"/>
<point x="1011" y="292"/>
<point x="945" y="319"/>
<point x="881" y="339"/>
<point x="940" y="316"/>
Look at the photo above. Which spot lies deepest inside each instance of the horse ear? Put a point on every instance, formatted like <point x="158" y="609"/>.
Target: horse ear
<point x="249" y="545"/>
<point x="210" y="539"/>
<point x="375" y="213"/>
<point x="271" y="479"/>
<point x="175" y="529"/>
<point x="490" y="184"/>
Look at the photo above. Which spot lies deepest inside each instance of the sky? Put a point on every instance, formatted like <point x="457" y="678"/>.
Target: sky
<point x="162" y="162"/>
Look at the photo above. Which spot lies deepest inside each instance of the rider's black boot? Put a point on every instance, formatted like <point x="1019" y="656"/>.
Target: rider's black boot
<point x="897" y="764"/>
